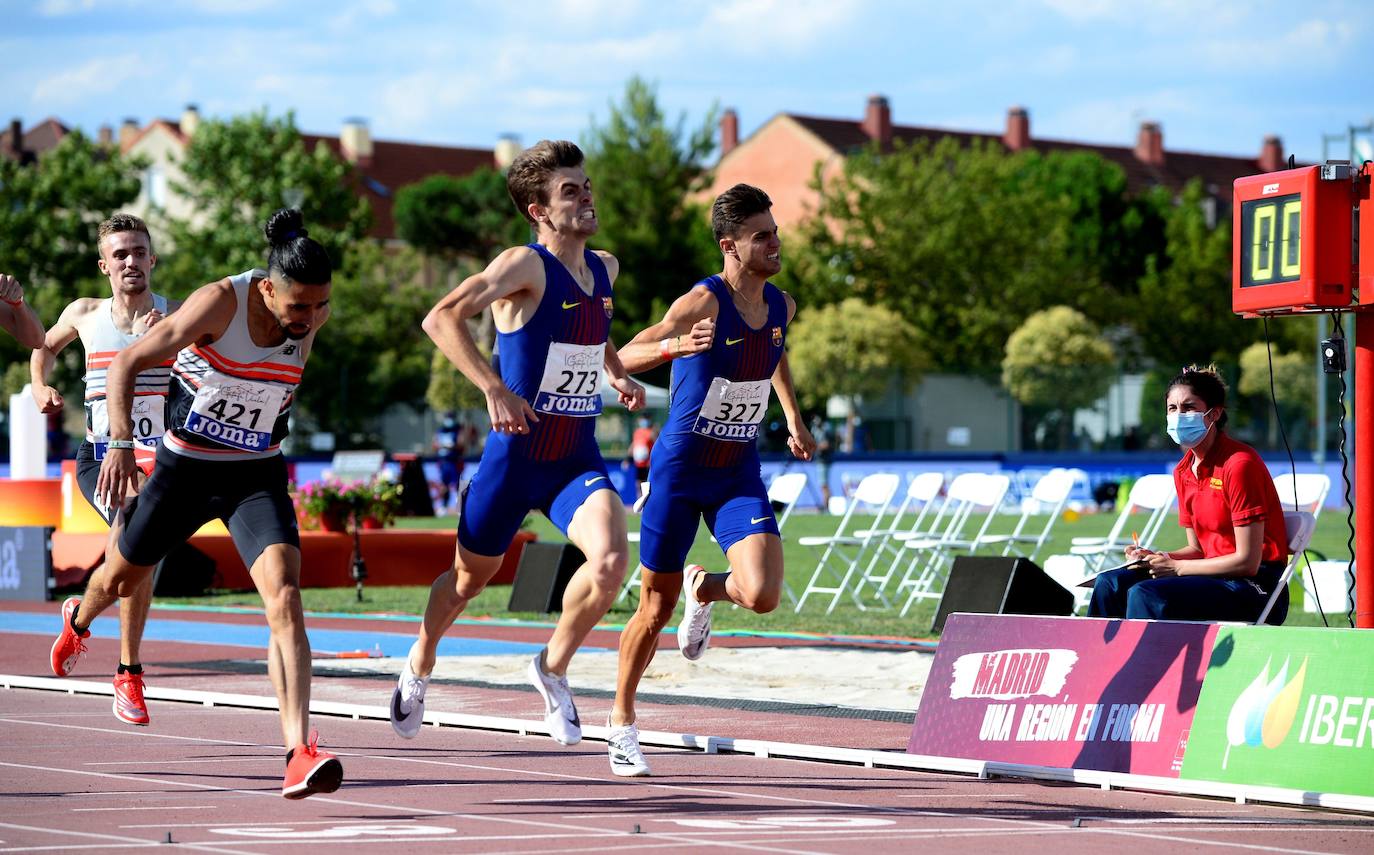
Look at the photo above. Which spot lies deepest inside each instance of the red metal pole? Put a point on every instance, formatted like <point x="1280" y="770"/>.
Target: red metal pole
<point x="1364" y="468"/>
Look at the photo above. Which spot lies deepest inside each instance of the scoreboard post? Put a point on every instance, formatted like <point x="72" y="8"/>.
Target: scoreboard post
<point x="1293" y="252"/>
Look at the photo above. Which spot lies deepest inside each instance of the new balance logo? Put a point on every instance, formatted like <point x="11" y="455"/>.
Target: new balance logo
<point x="288" y="350"/>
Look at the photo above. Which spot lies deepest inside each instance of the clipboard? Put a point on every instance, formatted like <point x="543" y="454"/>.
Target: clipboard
<point x="1138" y="564"/>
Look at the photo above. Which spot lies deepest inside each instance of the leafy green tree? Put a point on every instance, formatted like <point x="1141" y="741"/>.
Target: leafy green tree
<point x="1058" y="361"/>
<point x="238" y="172"/>
<point x="49" y="212"/>
<point x="1294" y="385"/>
<point x="851" y="349"/>
<point x="1183" y="314"/>
<point x="643" y="171"/>
<point x="450" y="217"/>
<point x="965" y="241"/>
<point x="448" y="390"/>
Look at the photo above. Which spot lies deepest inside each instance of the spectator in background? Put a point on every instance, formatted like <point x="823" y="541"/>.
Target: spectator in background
<point x="641" y="444"/>
<point x="1230" y="512"/>
<point x="451" y="443"/>
<point x="825" y="452"/>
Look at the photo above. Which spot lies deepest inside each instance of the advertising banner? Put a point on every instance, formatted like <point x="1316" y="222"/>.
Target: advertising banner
<point x="1287" y="707"/>
<point x="1080" y="693"/>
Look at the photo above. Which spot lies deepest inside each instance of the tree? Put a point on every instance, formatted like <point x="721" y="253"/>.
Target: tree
<point x="1184" y="312"/>
<point x="49" y="212"/>
<point x="643" y="173"/>
<point x="1294" y="384"/>
<point x="1057" y="360"/>
<point x="851" y="349"/>
<point x="449" y="391"/>
<point x="965" y="241"/>
<point x="450" y="217"/>
<point x="237" y="172"/>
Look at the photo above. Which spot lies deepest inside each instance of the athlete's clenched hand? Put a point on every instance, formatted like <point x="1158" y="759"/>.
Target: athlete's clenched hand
<point x="631" y="393"/>
<point x="800" y="442"/>
<point x="698" y="338"/>
<point x="509" y="412"/>
<point x="117" y="478"/>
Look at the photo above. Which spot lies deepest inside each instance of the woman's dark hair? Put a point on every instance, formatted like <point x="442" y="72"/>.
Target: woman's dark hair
<point x="294" y="255"/>
<point x="1206" y="383"/>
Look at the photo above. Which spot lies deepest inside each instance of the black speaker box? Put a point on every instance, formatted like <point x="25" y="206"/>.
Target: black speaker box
<point x="1001" y="585"/>
<point x="542" y="575"/>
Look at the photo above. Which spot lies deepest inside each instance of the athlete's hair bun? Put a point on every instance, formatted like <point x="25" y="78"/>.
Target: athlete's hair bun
<point x="285" y="226"/>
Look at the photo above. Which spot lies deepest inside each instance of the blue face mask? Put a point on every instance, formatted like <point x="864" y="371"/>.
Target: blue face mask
<point x="1187" y="429"/>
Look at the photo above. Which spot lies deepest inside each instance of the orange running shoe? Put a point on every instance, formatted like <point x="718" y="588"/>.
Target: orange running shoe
<point x="311" y="771"/>
<point x="129" y="705"/>
<point x="69" y="646"/>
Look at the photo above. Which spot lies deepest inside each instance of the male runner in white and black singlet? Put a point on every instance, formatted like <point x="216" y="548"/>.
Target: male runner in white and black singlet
<point x="105" y="327"/>
<point x="552" y="304"/>
<point x="16" y="316"/>
<point x="240" y="345"/>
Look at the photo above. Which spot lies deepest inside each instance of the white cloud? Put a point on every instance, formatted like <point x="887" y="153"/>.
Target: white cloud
<point x="60" y="8"/>
<point x="95" y="77"/>
<point x="772" y="25"/>
<point x="363" y="10"/>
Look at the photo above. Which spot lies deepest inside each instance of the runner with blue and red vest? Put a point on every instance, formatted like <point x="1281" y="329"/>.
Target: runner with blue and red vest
<point x="552" y="304"/>
<point x="240" y="345"/>
<point x="726" y="337"/>
<point x="106" y="327"/>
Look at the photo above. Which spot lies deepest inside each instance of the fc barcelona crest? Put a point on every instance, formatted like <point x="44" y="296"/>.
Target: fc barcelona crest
<point x="777" y="336"/>
<point x="607" y="305"/>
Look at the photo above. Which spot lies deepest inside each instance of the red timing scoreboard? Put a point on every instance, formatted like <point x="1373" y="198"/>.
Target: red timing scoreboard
<point x="1292" y="242"/>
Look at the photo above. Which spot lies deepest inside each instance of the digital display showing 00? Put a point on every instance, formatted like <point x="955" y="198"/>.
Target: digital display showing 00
<point x="1271" y="240"/>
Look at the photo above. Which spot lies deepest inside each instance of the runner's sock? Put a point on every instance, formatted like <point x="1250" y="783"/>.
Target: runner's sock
<point x="289" y="755"/>
<point x="76" y="629"/>
<point x="132" y="669"/>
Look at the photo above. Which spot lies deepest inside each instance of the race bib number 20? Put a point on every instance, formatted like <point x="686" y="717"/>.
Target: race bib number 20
<point x="732" y="410"/>
<point x="234" y="412"/>
<point x="145" y="411"/>
<point x="571" y="385"/>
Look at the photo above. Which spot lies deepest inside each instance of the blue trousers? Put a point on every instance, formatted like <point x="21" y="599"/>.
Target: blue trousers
<point x="1133" y="594"/>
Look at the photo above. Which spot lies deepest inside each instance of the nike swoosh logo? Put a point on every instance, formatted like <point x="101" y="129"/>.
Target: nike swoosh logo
<point x="591" y="481"/>
<point x="753" y="521"/>
<point x="573" y="305"/>
<point x="730" y="341"/>
<point x="396" y="708"/>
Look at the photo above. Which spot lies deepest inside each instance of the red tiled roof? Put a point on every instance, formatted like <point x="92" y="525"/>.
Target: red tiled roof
<point x="1216" y="171"/>
<point x="33" y="142"/>
<point x="395" y="164"/>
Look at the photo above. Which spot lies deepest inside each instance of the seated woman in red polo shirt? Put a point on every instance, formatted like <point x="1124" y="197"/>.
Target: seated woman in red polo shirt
<point x="1230" y="513"/>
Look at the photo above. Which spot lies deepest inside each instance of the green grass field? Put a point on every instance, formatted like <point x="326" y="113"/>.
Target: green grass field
<point x="846" y="619"/>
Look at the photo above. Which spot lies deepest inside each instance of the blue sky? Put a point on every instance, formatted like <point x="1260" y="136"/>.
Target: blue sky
<point x="1219" y="75"/>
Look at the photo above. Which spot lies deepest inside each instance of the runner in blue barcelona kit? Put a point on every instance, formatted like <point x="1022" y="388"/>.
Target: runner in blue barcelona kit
<point x="552" y="304"/>
<point x="729" y="331"/>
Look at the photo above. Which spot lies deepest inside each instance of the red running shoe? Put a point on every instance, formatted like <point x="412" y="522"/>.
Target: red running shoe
<point x="311" y="771"/>
<point x="129" y="705"/>
<point x="69" y="646"/>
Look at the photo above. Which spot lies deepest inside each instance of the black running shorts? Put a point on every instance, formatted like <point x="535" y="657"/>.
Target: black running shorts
<point x="184" y="493"/>
<point x="87" y="473"/>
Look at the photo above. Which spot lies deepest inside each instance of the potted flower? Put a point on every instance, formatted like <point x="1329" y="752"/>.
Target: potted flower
<point x="324" y="504"/>
<point x="378" y="502"/>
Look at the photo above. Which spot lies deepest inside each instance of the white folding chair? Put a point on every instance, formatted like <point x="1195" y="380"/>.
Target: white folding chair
<point x="1301" y="526"/>
<point x="1306" y="492"/>
<point x="1069" y="570"/>
<point x="972" y="491"/>
<point x="924" y="490"/>
<point x="1051" y="493"/>
<point x="846" y="548"/>
<point x="1152" y="494"/>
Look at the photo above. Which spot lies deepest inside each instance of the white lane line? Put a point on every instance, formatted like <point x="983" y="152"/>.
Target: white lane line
<point x="108" y="838"/>
<point x="153" y="807"/>
<point x="206" y="761"/>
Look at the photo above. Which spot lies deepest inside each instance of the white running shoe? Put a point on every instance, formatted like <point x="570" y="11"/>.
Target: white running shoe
<point x="408" y="703"/>
<point x="622" y="744"/>
<point x="560" y="713"/>
<point x="694" y="633"/>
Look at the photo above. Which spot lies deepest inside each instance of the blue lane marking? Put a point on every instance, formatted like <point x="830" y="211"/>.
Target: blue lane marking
<point x="256" y="635"/>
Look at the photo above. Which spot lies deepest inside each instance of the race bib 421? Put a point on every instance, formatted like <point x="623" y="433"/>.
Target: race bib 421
<point x="235" y="413"/>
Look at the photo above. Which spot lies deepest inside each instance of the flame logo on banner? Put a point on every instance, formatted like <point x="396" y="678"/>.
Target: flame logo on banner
<point x="1264" y="712"/>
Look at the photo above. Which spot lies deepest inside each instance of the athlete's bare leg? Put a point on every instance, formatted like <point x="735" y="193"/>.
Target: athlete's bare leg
<point x="658" y="598"/>
<point x="277" y="574"/>
<point x="755" y="578"/>
<point x="598" y="529"/>
<point x="448" y="596"/>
